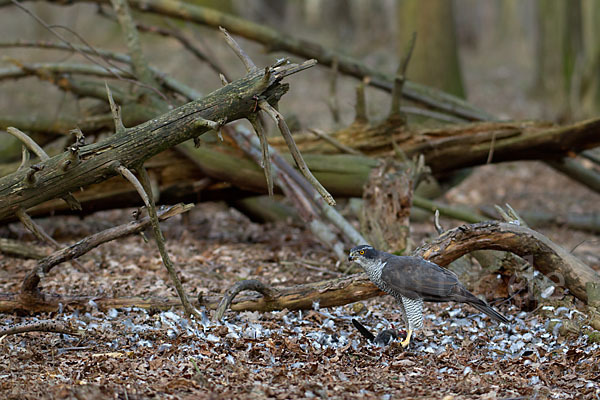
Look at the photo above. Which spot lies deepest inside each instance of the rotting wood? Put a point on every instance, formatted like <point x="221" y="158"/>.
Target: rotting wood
<point x="459" y="146"/>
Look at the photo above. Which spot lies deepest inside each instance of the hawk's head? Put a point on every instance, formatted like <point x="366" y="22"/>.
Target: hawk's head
<point x="363" y="254"/>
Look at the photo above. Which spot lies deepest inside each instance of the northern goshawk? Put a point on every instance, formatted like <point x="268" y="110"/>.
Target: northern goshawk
<point x="413" y="280"/>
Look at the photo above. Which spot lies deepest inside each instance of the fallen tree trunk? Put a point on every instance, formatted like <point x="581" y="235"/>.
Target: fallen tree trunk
<point x="549" y="258"/>
<point x="459" y="146"/>
<point x="343" y="175"/>
<point x="201" y="175"/>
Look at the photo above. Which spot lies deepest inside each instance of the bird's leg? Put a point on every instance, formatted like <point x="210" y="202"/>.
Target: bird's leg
<point x="406" y="341"/>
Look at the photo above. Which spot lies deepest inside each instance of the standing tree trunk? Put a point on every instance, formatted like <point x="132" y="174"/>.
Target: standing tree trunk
<point x="435" y="58"/>
<point x="588" y="92"/>
<point x="558" y="45"/>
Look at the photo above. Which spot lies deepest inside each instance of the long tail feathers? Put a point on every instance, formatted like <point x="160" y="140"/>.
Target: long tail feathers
<point x="489" y="311"/>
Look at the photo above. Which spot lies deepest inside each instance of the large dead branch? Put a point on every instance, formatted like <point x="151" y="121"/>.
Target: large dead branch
<point x="131" y="148"/>
<point x="549" y="258"/>
<point x="458" y="146"/>
<point x="187" y="179"/>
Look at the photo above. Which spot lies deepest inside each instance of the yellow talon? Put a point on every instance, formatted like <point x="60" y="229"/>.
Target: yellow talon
<point x="406" y="341"/>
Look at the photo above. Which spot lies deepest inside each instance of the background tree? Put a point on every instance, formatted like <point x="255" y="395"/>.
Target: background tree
<point x="435" y="60"/>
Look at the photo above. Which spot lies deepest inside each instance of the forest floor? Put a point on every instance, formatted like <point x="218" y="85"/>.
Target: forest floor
<point x="137" y="354"/>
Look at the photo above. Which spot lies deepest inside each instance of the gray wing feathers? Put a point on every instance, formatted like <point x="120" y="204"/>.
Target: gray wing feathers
<point x="415" y="277"/>
<point x="420" y="280"/>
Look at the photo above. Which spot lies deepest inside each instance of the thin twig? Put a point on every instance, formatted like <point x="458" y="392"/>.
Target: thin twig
<point x="223" y="79"/>
<point x="167" y="81"/>
<point x="333" y="100"/>
<point x="306" y="201"/>
<point x="39" y="233"/>
<point x="336" y="143"/>
<point x="24" y="158"/>
<point x="289" y="140"/>
<point x="61" y="37"/>
<point x="175" y="34"/>
<point x="264" y="144"/>
<point x="503" y="214"/>
<point x="34" y="228"/>
<point x="115" y="111"/>
<point x="139" y="62"/>
<point x="400" y="77"/>
<point x="144" y="190"/>
<point x="185" y="42"/>
<point x="114" y="71"/>
<point x="436" y="222"/>
<point x="360" y="109"/>
<point x="279" y="162"/>
<point x="71" y="201"/>
<point x="291" y="69"/>
<point x="447" y="211"/>
<point x="249" y="284"/>
<point x="246" y="60"/>
<point x="515" y="215"/>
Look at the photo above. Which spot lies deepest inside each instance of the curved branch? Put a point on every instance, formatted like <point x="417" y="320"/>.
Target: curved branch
<point x="249" y="284"/>
<point x="546" y="256"/>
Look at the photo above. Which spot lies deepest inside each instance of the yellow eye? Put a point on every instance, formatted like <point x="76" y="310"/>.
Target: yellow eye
<point x="362" y="252"/>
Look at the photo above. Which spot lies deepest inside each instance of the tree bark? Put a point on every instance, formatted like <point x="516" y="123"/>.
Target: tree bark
<point x="435" y="59"/>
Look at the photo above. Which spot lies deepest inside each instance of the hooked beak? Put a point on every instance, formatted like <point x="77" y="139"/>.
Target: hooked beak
<point x="351" y="257"/>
